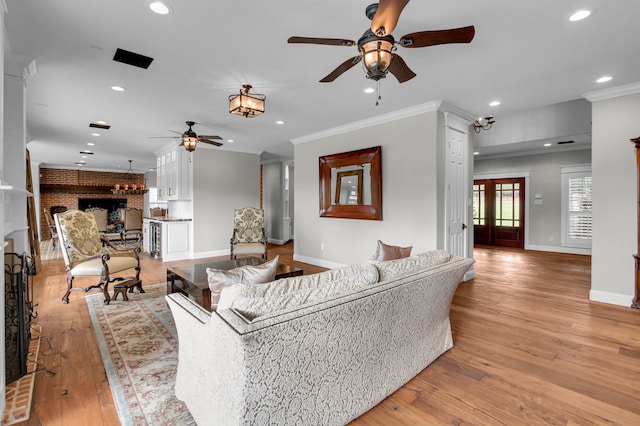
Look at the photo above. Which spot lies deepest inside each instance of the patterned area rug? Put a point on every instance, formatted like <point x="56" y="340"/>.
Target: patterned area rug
<point x="139" y="348"/>
<point x="18" y="394"/>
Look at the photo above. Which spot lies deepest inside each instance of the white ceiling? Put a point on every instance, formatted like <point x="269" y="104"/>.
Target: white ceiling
<point x="525" y="54"/>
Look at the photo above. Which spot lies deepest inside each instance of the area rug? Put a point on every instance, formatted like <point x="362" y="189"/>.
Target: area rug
<point x="139" y="348"/>
<point x="18" y="394"/>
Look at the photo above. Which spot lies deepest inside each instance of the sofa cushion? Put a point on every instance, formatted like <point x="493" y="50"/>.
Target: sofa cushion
<point x="256" y="300"/>
<point x="243" y="275"/>
<point x="387" y="252"/>
<point x="392" y="269"/>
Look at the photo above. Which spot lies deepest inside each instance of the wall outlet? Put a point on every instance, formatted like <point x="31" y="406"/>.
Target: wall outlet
<point x="321" y="246"/>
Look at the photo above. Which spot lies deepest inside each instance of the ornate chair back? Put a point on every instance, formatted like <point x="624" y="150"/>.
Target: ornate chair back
<point x="248" y="232"/>
<point x="79" y="228"/>
<point x="101" y="216"/>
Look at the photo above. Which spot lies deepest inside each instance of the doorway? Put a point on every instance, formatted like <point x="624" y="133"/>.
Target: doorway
<point x="498" y="212"/>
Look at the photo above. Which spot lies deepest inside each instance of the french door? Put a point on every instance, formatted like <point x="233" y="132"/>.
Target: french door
<point x="498" y="212"/>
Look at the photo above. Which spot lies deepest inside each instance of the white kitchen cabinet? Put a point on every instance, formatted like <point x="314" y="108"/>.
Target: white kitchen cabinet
<point x="169" y="239"/>
<point x="174" y="174"/>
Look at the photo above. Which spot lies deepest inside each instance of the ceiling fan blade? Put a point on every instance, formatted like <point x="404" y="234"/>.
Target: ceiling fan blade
<point x="432" y="38"/>
<point x="400" y="69"/>
<point x="327" y="41"/>
<point x="209" y="142"/>
<point x="346" y="65"/>
<point x="209" y="137"/>
<point x="386" y="17"/>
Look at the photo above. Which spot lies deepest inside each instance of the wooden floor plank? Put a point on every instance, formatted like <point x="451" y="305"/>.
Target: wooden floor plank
<point x="529" y="348"/>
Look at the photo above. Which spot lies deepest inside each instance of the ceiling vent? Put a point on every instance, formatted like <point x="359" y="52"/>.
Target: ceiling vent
<point x="564" y="142"/>
<point x="100" y="126"/>
<point x="131" y="58"/>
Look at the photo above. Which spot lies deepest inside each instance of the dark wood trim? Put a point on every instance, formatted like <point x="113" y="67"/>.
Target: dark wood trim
<point x="371" y="211"/>
<point x="75" y="189"/>
<point x="635" y="303"/>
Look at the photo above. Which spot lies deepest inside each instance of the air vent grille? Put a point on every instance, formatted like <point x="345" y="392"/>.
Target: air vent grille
<point x="100" y="126"/>
<point x="131" y="58"/>
<point x="564" y="142"/>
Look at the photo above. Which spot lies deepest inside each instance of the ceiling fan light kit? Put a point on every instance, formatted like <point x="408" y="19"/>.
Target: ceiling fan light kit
<point x="247" y="104"/>
<point x="376" y="55"/>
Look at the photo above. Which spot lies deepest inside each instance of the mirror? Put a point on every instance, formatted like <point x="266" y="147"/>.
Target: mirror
<point x="351" y="184"/>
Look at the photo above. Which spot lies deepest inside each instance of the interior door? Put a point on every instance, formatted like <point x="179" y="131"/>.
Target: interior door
<point x="498" y="212"/>
<point x="456" y="241"/>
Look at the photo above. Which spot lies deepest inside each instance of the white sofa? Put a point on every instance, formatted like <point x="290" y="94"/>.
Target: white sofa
<point x="324" y="362"/>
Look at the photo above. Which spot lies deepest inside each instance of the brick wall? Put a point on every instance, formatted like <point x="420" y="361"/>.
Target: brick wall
<point x="81" y="178"/>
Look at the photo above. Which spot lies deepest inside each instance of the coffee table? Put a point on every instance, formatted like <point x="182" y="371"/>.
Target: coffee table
<point x="192" y="281"/>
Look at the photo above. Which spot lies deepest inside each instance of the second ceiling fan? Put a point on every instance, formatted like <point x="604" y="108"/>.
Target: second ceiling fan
<point x="376" y="45"/>
<point x="189" y="139"/>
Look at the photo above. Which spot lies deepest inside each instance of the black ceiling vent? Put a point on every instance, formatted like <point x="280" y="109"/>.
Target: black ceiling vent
<point x="564" y="142"/>
<point x="130" y="58"/>
<point x="100" y="126"/>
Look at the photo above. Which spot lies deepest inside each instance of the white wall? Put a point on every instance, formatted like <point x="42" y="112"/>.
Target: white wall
<point x="412" y="203"/>
<point x="543" y="221"/>
<point x="272" y="199"/>
<point x="222" y="181"/>
<point x="615" y="121"/>
<point x="570" y="119"/>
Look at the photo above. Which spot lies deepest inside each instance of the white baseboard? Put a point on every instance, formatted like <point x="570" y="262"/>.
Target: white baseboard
<point x="558" y="249"/>
<point x="611" y="298"/>
<point x="274" y="241"/>
<point x="318" y="262"/>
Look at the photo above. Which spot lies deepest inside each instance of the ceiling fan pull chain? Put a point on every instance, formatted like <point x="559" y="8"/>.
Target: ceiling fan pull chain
<point x="378" y="91"/>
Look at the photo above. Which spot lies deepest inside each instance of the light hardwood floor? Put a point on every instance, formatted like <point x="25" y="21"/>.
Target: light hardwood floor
<point x="529" y="349"/>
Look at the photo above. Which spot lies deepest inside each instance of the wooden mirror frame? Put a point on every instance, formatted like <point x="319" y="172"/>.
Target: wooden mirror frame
<point x="371" y="211"/>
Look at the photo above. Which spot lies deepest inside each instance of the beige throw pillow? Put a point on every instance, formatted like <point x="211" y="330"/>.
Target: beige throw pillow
<point x="387" y="252"/>
<point x="219" y="279"/>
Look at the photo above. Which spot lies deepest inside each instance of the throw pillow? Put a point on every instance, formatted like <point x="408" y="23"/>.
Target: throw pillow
<point x="219" y="279"/>
<point x="387" y="252"/>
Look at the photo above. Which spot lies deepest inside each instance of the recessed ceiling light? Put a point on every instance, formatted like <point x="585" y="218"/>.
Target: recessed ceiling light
<point x="494" y="103"/>
<point x="280" y="122"/>
<point x="369" y="90"/>
<point x="101" y="122"/>
<point x="604" y="79"/>
<point x="160" y="7"/>
<point x="90" y="143"/>
<point x="230" y="140"/>
<point x="579" y="15"/>
<point x="95" y="134"/>
<point x="118" y="88"/>
<point x="79" y="163"/>
<point x="476" y="153"/>
<point x="83" y="156"/>
<point x="547" y="144"/>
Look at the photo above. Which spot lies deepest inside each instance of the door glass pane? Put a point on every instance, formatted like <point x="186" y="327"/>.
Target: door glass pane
<point x="507" y="205"/>
<point x="478" y="204"/>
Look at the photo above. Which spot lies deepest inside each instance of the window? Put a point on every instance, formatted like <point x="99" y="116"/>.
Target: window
<point x="479" y="214"/>
<point x="576" y="206"/>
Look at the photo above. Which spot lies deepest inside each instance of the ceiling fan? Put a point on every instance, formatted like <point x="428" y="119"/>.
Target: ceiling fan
<point x="376" y="45"/>
<point x="189" y="139"/>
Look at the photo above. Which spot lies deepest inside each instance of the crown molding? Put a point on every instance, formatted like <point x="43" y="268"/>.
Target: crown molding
<point x="368" y="122"/>
<point x="613" y="92"/>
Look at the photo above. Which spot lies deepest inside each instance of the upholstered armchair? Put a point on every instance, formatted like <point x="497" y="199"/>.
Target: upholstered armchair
<point x="132" y="224"/>
<point x="84" y="257"/>
<point x="52" y="228"/>
<point x="248" y="232"/>
<point x="102" y="219"/>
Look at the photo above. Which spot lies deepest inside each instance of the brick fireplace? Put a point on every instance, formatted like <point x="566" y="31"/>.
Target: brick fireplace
<point x="62" y="187"/>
